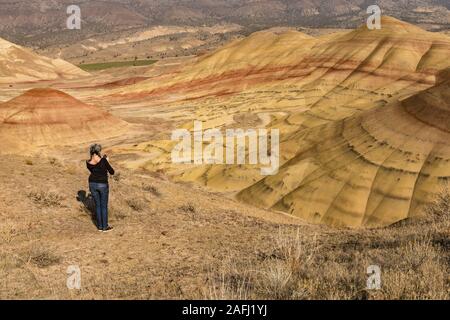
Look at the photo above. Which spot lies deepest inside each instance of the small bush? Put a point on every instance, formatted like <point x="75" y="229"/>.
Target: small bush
<point x="416" y="253"/>
<point x="136" y="204"/>
<point x="439" y="209"/>
<point x="42" y="258"/>
<point x="276" y="280"/>
<point x="188" y="208"/>
<point x="298" y="253"/>
<point x="233" y="283"/>
<point x="46" y="199"/>
<point x="53" y="161"/>
<point x="117" y="177"/>
<point x="422" y="273"/>
<point x="152" y="189"/>
<point x="8" y="232"/>
<point x="116" y="214"/>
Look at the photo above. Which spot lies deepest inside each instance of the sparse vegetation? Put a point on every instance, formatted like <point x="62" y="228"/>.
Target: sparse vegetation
<point x="439" y="210"/>
<point x="8" y="232"/>
<point x="413" y="257"/>
<point x="152" y="189"/>
<point x="190" y="210"/>
<point x="42" y="258"/>
<point x="54" y="161"/>
<point x="118" y="64"/>
<point x="117" y="177"/>
<point x="137" y="205"/>
<point x="46" y="198"/>
<point x="263" y="260"/>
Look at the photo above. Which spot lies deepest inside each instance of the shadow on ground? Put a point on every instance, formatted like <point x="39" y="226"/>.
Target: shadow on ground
<point x="89" y="205"/>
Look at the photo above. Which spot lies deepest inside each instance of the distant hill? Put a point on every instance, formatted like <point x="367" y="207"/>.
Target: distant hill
<point x="42" y="22"/>
<point x="18" y="64"/>
<point x="372" y="169"/>
<point x="360" y="145"/>
<point x="48" y="117"/>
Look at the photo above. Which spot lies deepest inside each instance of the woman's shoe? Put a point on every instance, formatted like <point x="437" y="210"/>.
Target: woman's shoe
<point x="109" y="228"/>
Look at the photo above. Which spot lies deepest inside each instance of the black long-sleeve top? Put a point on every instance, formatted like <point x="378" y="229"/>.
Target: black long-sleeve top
<point x="99" y="172"/>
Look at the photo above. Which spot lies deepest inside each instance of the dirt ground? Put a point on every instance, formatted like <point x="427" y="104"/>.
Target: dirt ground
<point x="165" y="240"/>
<point x="178" y="241"/>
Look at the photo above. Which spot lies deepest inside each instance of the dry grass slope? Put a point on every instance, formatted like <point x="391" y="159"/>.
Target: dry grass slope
<point x="191" y="244"/>
<point x="413" y="257"/>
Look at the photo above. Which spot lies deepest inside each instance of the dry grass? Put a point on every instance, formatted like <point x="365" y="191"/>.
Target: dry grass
<point x="152" y="189"/>
<point x="232" y="283"/>
<point x="413" y="257"/>
<point x="46" y="198"/>
<point x="439" y="210"/>
<point x="189" y="210"/>
<point x="422" y="274"/>
<point x="42" y="257"/>
<point x="54" y="161"/>
<point x="71" y="169"/>
<point x="117" y="177"/>
<point x="136" y="204"/>
<point x="196" y="245"/>
<point x="8" y="231"/>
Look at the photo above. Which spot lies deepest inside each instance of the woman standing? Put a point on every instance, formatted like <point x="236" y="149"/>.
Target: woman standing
<point x="98" y="185"/>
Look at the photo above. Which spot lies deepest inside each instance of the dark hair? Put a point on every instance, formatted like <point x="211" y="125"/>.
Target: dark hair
<point x="95" y="149"/>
